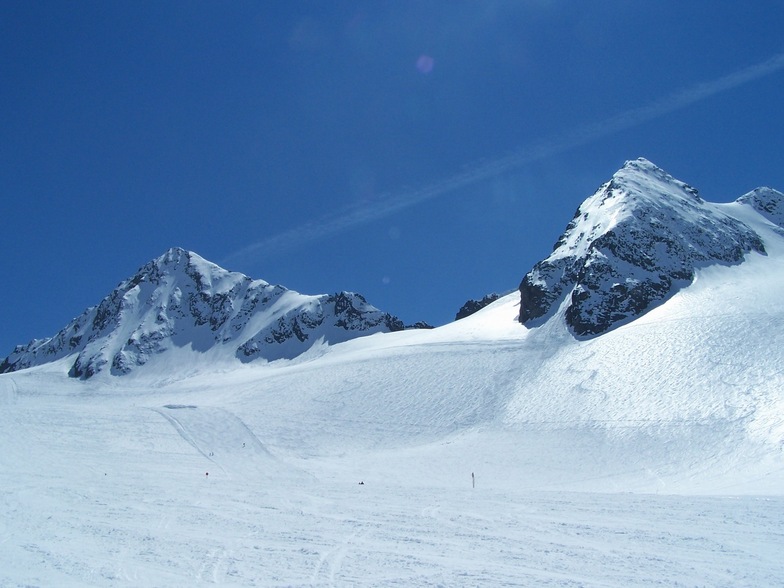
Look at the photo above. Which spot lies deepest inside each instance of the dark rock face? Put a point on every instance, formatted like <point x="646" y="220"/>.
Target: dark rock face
<point x="472" y="306"/>
<point x="629" y="247"/>
<point x="768" y="202"/>
<point x="181" y="300"/>
<point x="419" y="325"/>
<point x="335" y="318"/>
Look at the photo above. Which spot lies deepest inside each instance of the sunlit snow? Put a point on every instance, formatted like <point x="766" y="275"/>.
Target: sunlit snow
<point x="482" y="453"/>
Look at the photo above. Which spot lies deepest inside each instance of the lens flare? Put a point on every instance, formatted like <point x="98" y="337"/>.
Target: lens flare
<point x="425" y="64"/>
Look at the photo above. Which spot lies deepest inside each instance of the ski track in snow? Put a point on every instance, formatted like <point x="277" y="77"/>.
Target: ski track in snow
<point x="650" y="456"/>
<point x="98" y="493"/>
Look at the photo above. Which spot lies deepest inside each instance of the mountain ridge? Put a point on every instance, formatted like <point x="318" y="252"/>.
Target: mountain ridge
<point x="182" y="300"/>
<point x="631" y="246"/>
<point x="667" y="430"/>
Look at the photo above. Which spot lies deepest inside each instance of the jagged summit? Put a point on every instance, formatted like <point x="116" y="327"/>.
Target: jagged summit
<point x="629" y="247"/>
<point x="212" y="277"/>
<point x="181" y="300"/>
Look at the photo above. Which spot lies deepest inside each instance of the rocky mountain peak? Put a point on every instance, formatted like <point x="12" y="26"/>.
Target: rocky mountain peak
<point x="631" y="245"/>
<point x="640" y="175"/>
<point x="178" y="263"/>
<point x="768" y="202"/>
<point x="472" y="306"/>
<point x="181" y="300"/>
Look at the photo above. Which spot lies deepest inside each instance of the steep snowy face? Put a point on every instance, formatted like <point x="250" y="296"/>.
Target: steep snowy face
<point x="182" y="300"/>
<point x="629" y="247"/>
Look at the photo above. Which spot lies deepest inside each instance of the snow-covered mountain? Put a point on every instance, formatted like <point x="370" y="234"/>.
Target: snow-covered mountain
<point x="180" y="300"/>
<point x="560" y="451"/>
<point x="632" y="245"/>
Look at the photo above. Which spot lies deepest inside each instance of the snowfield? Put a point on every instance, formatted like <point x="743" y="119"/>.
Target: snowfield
<point x="106" y="491"/>
<point x="481" y="453"/>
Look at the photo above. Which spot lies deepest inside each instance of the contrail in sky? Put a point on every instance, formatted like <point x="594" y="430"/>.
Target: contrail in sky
<point x="392" y="202"/>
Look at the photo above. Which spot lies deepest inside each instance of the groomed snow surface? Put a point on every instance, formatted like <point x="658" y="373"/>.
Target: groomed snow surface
<point x="650" y="456"/>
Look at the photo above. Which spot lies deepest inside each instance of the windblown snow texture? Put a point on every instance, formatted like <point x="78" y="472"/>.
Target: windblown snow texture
<point x="182" y="300"/>
<point x="631" y="246"/>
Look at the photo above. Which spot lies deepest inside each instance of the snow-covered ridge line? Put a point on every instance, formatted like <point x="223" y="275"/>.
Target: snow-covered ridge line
<point x="632" y="245"/>
<point x="478" y="453"/>
<point x="181" y="300"/>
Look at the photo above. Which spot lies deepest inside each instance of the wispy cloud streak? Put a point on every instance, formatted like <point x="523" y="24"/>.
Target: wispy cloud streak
<point x="392" y="202"/>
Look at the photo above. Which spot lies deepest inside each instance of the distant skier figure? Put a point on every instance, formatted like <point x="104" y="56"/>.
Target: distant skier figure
<point x="473" y="480"/>
<point x="243" y="445"/>
<point x="362" y="483"/>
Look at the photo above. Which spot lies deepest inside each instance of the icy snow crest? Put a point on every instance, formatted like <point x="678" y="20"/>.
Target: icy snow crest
<point x="631" y="246"/>
<point x="182" y="300"/>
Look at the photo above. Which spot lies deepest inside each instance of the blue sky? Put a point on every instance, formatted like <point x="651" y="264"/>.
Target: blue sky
<point x="341" y="145"/>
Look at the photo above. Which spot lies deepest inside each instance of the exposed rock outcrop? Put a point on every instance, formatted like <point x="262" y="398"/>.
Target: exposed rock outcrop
<point x="180" y="300"/>
<point x="630" y="247"/>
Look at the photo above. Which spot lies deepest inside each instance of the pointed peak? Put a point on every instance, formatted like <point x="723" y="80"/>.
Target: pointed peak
<point x="168" y="263"/>
<point x="631" y="245"/>
<point x="640" y="176"/>
<point x="176" y="252"/>
<point x="177" y="261"/>
<point x="174" y="256"/>
<point x="642" y="164"/>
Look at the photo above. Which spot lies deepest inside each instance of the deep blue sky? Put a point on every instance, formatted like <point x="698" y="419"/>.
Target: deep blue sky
<point x="130" y="127"/>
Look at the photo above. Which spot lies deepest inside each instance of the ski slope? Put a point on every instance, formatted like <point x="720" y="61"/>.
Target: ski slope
<point x="652" y="455"/>
<point x="107" y="492"/>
